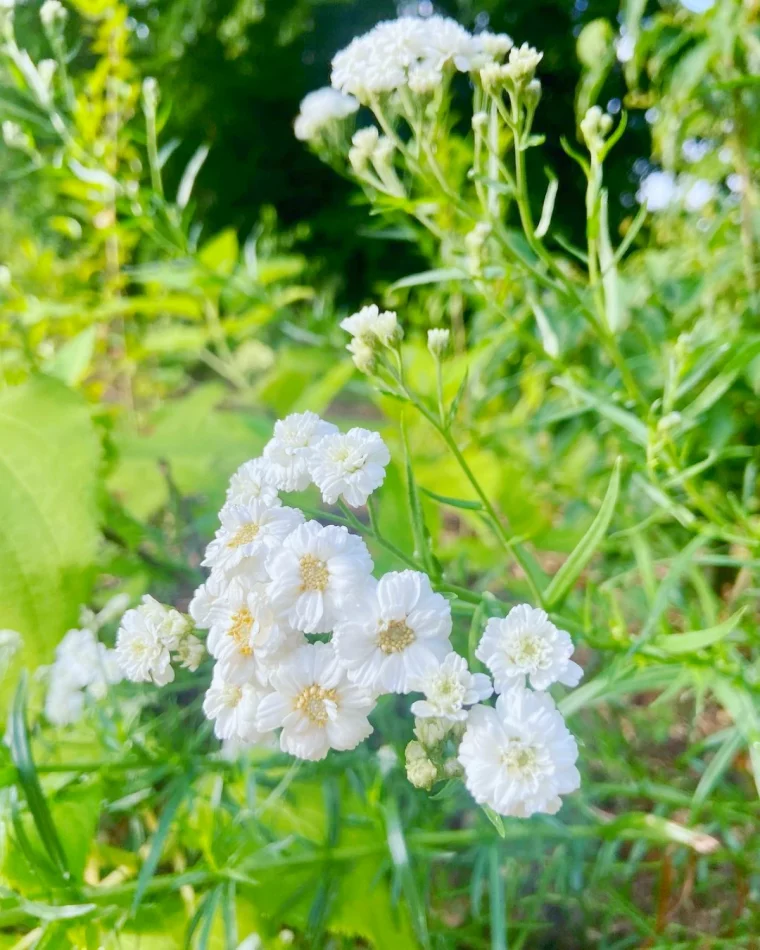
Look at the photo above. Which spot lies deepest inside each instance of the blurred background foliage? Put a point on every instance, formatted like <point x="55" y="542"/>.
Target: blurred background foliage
<point x="176" y="264"/>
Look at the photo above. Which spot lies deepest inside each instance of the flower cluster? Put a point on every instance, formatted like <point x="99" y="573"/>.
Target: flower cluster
<point x="150" y="637"/>
<point x="83" y="667"/>
<point x="412" y="52"/>
<point x="319" y="109"/>
<point x="305" y="639"/>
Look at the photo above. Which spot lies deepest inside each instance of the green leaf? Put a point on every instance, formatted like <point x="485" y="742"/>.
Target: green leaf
<point x="454" y="502"/>
<point x="71" y="362"/>
<point x="496" y="899"/>
<point x="49" y="474"/>
<point x="679" y="643"/>
<point x="441" y="275"/>
<point x="220" y="254"/>
<point x="495" y="819"/>
<point x="30" y="783"/>
<point x="416" y="517"/>
<point x="564" y="580"/>
<point x="177" y="792"/>
<point x="619" y="417"/>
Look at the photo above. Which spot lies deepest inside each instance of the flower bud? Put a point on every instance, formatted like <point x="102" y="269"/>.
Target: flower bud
<point x="419" y="769"/>
<point x="438" y="341"/>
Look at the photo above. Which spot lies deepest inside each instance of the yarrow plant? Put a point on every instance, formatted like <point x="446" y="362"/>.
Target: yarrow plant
<point x="306" y="640"/>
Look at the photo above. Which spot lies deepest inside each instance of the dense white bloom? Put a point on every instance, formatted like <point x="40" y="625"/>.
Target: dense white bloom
<point x="373" y="325"/>
<point x="190" y="652"/>
<point x="527" y="644"/>
<point x="522" y="64"/>
<point x="245" y="637"/>
<point x="289" y="449"/>
<point x="320" y="108"/>
<point x="438" y="340"/>
<point x="207" y="597"/>
<point x="448" y="687"/>
<point x="658" y="191"/>
<point x="519" y="758"/>
<point x="82" y="665"/>
<point x="697" y="194"/>
<point x="233" y="707"/>
<point x="384" y="58"/>
<point x="52" y="11"/>
<point x="494" y="46"/>
<point x="402" y="624"/>
<point x="350" y="464"/>
<point x="246" y="536"/>
<point x="317" y="574"/>
<point x="424" y="79"/>
<point x="146" y="635"/>
<point x="253" y="482"/>
<point x="316" y="705"/>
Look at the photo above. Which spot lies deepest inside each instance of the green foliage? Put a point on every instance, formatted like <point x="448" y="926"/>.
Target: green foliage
<point x="588" y="444"/>
<point x="49" y="478"/>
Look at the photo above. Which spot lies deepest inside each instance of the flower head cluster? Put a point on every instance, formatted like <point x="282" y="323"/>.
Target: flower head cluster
<point x="370" y="329"/>
<point x="305" y="639"/>
<point x="412" y="52"/>
<point x="149" y="637"/>
<point x="519" y="757"/>
<point x="321" y="109"/>
<point x="83" y="667"/>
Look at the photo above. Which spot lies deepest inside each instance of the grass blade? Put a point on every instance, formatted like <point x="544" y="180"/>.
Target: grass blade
<point x="21" y="754"/>
<point x="565" y="578"/>
<point x="179" y="789"/>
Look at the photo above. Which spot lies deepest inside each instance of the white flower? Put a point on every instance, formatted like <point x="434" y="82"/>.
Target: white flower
<point x="246" y="536"/>
<point x="64" y="703"/>
<point x="350" y="464"/>
<point x="657" y="191"/>
<point x="401" y="625"/>
<point x="233" y="707"/>
<point x="316" y="705"/>
<point x="494" y="46"/>
<point x="52" y="11"/>
<point x="317" y="574"/>
<point x="519" y="757"/>
<point x="320" y="108"/>
<point x="527" y="644"/>
<point x="383" y="59"/>
<point x="448" y="687"/>
<point x="697" y="194"/>
<point x="190" y="652"/>
<point x="625" y="46"/>
<point x="424" y="79"/>
<point x="289" y="449"/>
<point x="146" y="635"/>
<point x="206" y="598"/>
<point x="420" y="770"/>
<point x="11" y="642"/>
<point x="522" y="64"/>
<point x="438" y="340"/>
<point x="245" y="635"/>
<point x="363" y="145"/>
<point x="253" y="482"/>
<point x="373" y="326"/>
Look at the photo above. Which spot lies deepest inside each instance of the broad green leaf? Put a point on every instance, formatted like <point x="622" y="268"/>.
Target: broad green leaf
<point x="220" y="254"/>
<point x="678" y="643"/>
<point x="496" y="820"/>
<point x="71" y="362"/>
<point x="201" y="442"/>
<point x="49" y="474"/>
<point x="564" y="580"/>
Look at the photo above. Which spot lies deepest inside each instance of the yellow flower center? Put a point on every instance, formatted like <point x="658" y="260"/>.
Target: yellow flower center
<point x="314" y="573"/>
<point x="240" y="629"/>
<point x="231" y="695"/>
<point x="521" y="760"/>
<point x="244" y="535"/>
<point x="311" y="702"/>
<point x="395" y="636"/>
